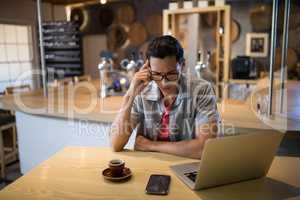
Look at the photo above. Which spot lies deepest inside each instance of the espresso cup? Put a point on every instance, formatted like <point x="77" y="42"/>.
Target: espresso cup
<point x="116" y="167"/>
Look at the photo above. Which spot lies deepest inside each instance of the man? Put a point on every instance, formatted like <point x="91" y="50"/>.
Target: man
<point x="171" y="115"/>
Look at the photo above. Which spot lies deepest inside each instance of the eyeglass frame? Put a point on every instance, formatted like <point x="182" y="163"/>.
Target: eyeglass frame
<point x="164" y="75"/>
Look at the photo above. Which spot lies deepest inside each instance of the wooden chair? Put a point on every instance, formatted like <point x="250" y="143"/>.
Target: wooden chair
<point x="62" y="82"/>
<point x="17" y="89"/>
<point x="8" y="152"/>
<point x="8" y="133"/>
<point x="82" y="78"/>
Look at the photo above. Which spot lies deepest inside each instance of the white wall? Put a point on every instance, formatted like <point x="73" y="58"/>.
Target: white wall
<point x="240" y="11"/>
<point x="92" y="46"/>
<point x="59" y="13"/>
<point x="39" y="143"/>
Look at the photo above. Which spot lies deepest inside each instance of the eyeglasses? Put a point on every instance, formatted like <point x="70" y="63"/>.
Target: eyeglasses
<point x="170" y="76"/>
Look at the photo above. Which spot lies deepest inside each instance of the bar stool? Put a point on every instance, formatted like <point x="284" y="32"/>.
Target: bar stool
<point x="17" y="89"/>
<point x="8" y="153"/>
<point x="82" y="78"/>
<point x="62" y="82"/>
<point x="8" y="132"/>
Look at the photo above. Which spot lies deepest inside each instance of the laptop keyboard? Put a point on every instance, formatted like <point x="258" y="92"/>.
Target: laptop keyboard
<point x="191" y="175"/>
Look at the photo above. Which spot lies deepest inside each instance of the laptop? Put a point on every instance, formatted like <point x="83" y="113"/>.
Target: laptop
<point x="231" y="159"/>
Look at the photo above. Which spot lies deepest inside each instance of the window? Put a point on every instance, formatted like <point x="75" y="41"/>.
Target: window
<point x="15" y="55"/>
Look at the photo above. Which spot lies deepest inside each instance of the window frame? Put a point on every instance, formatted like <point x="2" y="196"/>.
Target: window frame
<point x="21" y="62"/>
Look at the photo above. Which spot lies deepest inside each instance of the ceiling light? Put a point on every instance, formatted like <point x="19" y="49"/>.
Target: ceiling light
<point x="103" y="1"/>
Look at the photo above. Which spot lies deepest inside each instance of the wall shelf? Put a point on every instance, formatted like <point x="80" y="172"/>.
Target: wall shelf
<point x="188" y="35"/>
<point x="243" y="81"/>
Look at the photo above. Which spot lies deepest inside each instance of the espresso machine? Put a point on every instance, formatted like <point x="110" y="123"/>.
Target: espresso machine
<point x="133" y="65"/>
<point x="116" y="82"/>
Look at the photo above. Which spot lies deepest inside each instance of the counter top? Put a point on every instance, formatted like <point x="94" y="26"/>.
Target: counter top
<point x="82" y="102"/>
<point x="75" y="173"/>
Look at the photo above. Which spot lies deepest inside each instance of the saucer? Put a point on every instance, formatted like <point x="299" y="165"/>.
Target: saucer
<point x="126" y="175"/>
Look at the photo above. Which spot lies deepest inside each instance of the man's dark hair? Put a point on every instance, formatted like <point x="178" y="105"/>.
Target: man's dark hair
<point x="165" y="46"/>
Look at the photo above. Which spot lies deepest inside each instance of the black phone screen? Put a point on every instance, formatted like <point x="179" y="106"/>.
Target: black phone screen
<point x="158" y="184"/>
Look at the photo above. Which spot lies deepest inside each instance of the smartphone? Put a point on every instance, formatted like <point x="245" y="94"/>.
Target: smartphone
<point x="158" y="184"/>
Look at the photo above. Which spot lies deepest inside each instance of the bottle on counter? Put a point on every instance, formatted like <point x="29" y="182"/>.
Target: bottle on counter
<point x="105" y="67"/>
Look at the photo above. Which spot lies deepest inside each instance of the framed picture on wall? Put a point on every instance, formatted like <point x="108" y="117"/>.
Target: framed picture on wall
<point x="257" y="44"/>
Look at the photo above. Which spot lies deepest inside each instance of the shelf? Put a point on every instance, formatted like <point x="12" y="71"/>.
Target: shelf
<point x="65" y="71"/>
<point x="67" y="39"/>
<point x="62" y="33"/>
<point x="197" y="10"/>
<point x="63" y="61"/>
<point x="64" y="65"/>
<point x="60" y="23"/>
<point x="243" y="81"/>
<point x="64" y="53"/>
<point x="74" y="73"/>
<point x="61" y="48"/>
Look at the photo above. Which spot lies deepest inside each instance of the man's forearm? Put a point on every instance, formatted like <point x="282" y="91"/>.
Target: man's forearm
<point x="121" y="128"/>
<point x="187" y="148"/>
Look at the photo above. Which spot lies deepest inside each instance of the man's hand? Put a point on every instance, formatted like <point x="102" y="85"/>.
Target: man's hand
<point x="186" y="148"/>
<point x="140" y="80"/>
<point x="143" y="144"/>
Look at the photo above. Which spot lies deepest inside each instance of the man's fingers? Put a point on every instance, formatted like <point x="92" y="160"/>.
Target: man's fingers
<point x="143" y="77"/>
<point x="146" y="65"/>
<point x="142" y="73"/>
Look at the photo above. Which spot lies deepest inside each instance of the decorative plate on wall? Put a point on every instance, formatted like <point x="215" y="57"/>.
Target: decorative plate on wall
<point x="235" y="30"/>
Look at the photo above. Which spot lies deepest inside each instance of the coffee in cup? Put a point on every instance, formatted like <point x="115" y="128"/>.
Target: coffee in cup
<point x="116" y="167"/>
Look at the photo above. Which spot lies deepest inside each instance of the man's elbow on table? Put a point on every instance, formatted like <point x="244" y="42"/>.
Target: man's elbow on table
<point x="118" y="141"/>
<point x="115" y="139"/>
<point x="116" y="145"/>
<point x="117" y="148"/>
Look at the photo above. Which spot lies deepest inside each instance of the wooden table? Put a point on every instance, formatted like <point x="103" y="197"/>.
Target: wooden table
<point x="75" y="173"/>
